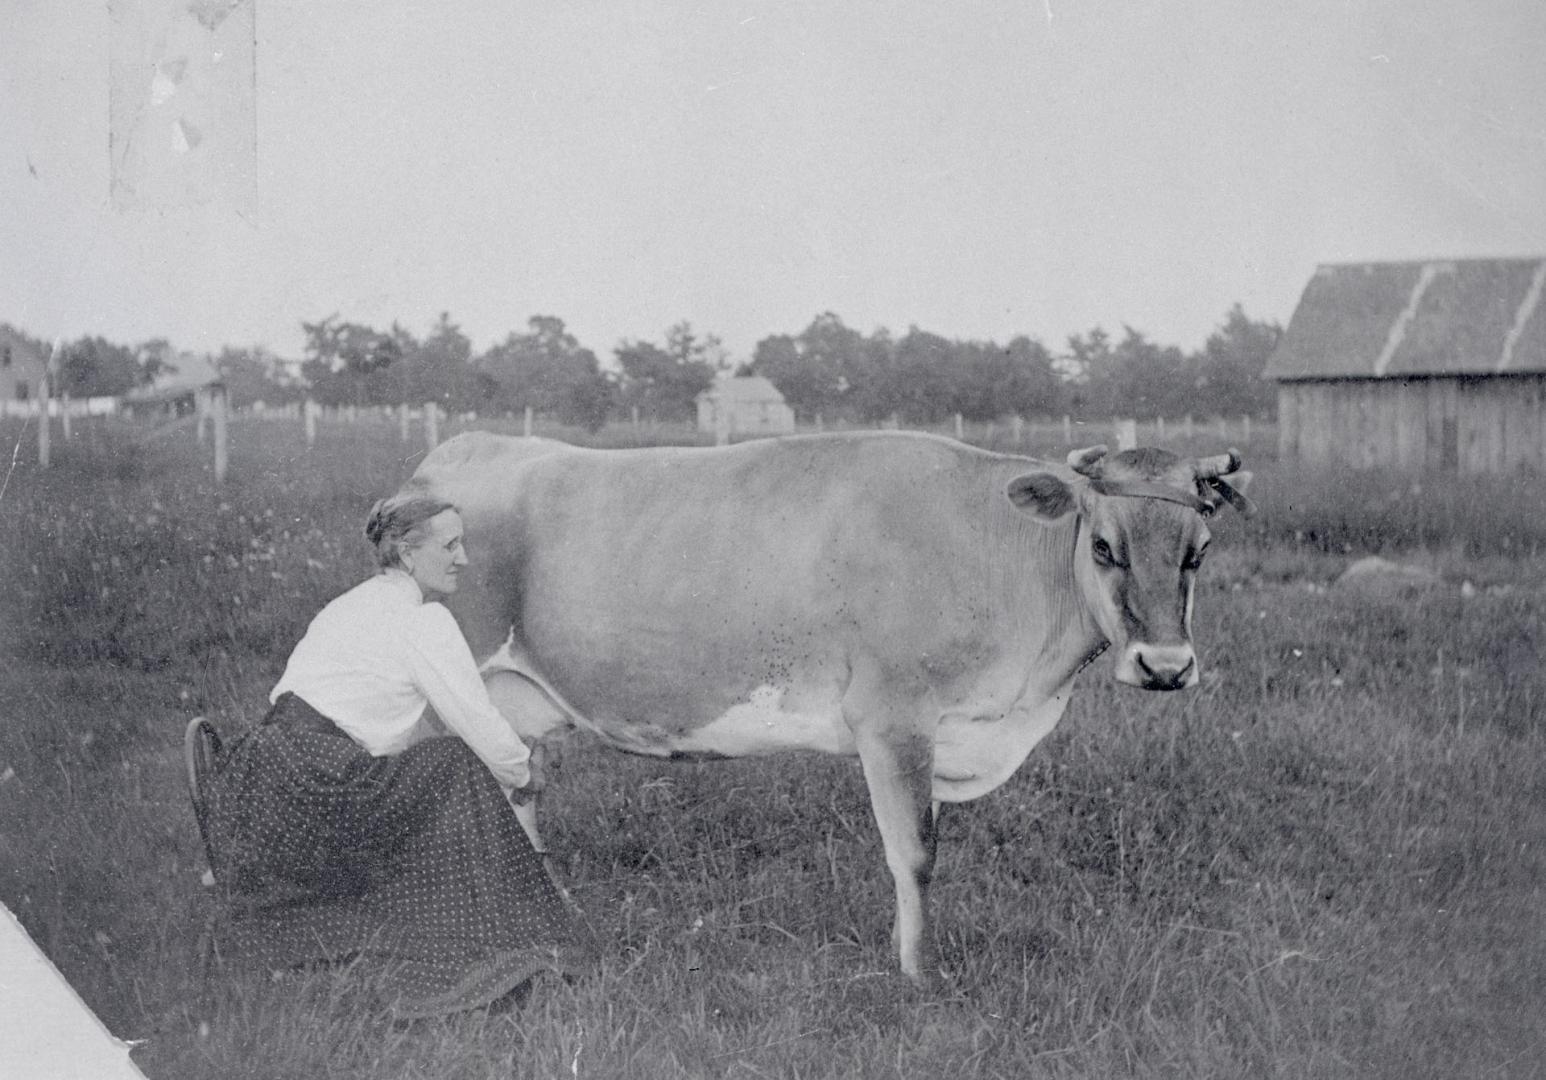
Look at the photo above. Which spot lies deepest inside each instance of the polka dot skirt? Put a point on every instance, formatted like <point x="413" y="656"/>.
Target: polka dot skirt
<point x="414" y="860"/>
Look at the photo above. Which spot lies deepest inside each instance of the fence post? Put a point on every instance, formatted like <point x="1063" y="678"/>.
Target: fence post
<point x="819" y="426"/>
<point x="432" y="424"/>
<point x="1159" y="429"/>
<point x="960" y="429"/>
<point x="403" y="420"/>
<point x="49" y="367"/>
<point x="1223" y="430"/>
<point x="217" y="406"/>
<point x="43" y="425"/>
<point x="1188" y="425"/>
<point x="309" y="415"/>
<point x="1127" y="434"/>
<point x="1019" y="424"/>
<point x="635" y="411"/>
<point x="1245" y="423"/>
<point x="526" y="424"/>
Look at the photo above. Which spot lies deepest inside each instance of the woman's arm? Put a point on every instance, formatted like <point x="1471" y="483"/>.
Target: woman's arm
<point x="445" y="670"/>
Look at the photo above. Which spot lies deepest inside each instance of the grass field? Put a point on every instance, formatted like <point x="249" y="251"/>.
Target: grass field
<point x="1328" y="860"/>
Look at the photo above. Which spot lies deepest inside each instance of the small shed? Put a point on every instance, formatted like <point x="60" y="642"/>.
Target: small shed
<point x="1433" y="365"/>
<point x="23" y="372"/>
<point x="744" y="405"/>
<point x="189" y="388"/>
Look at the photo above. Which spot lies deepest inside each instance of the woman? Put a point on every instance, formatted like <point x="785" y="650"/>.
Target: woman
<point x="342" y="827"/>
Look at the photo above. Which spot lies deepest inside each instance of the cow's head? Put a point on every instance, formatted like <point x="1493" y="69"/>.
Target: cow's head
<point x="1140" y="538"/>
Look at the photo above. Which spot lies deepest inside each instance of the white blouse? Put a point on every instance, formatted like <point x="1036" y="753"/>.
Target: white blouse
<point x="374" y="657"/>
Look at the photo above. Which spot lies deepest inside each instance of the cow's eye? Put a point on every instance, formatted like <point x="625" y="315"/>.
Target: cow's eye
<point x="1103" y="553"/>
<point x="1194" y="560"/>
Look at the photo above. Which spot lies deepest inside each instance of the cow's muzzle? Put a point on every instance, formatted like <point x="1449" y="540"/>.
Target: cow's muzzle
<point x="1158" y="667"/>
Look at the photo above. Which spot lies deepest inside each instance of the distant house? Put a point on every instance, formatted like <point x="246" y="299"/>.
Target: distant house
<point x="1435" y="365"/>
<point x="190" y="390"/>
<point x="23" y="371"/>
<point x="744" y="405"/>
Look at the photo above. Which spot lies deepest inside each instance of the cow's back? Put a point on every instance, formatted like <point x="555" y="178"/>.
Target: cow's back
<point x="665" y="586"/>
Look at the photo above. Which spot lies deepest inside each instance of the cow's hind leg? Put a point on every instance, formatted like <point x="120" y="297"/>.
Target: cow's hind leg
<point x="898" y="768"/>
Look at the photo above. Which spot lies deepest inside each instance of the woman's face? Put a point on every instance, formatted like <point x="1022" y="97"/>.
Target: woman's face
<point x="438" y="557"/>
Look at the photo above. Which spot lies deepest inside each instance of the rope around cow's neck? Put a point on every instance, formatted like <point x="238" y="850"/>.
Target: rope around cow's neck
<point x="1088" y="660"/>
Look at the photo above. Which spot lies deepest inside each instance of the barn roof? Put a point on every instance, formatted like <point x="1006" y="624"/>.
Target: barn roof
<point x="743" y="389"/>
<point x="1402" y="319"/>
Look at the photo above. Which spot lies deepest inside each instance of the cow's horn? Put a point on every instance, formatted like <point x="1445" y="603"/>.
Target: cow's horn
<point x="1209" y="468"/>
<point x="1084" y="461"/>
<point x="1234" y="497"/>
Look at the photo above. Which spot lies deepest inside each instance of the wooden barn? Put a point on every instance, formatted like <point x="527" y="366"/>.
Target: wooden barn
<point x="1435" y="365"/>
<point x="744" y="405"/>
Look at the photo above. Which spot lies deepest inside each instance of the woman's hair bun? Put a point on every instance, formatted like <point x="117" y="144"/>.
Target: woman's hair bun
<point x="374" y="524"/>
<point x="400" y="519"/>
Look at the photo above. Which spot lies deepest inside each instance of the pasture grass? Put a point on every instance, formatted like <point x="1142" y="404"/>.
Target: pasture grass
<point x="1327" y="860"/>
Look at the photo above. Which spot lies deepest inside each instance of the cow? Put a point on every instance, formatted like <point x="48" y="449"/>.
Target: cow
<point x="903" y="598"/>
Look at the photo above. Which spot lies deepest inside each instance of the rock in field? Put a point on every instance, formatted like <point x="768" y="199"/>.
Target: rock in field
<point x="1375" y="573"/>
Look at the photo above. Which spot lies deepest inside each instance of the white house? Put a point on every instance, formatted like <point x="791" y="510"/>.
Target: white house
<point x="23" y="372"/>
<point x="190" y="390"/>
<point x="744" y="405"/>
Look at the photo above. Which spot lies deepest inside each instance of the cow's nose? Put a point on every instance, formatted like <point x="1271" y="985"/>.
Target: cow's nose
<point x="1158" y="667"/>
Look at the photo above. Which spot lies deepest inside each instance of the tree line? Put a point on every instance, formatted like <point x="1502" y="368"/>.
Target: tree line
<point x="828" y="370"/>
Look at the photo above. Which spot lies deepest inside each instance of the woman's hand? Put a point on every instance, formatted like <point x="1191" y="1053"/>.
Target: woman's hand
<point x="537" y="778"/>
<point x="522" y="795"/>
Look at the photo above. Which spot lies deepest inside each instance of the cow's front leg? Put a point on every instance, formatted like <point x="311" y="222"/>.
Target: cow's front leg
<point x="898" y="767"/>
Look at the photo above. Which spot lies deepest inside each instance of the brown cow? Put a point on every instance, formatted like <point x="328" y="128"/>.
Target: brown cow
<point x="906" y="599"/>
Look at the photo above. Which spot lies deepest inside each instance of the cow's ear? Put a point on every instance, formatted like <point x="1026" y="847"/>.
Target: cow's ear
<point x="1042" y="496"/>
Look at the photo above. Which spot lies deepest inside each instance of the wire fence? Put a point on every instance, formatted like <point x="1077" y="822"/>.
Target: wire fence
<point x="424" y="426"/>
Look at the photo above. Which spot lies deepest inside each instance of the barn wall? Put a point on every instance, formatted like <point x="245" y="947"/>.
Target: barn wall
<point x="1473" y="425"/>
<point x="1441" y="453"/>
<point x="1288" y="421"/>
<point x="1500" y="424"/>
<point x="1481" y="416"/>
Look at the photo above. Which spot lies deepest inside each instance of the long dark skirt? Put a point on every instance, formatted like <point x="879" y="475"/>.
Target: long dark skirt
<point x="416" y="860"/>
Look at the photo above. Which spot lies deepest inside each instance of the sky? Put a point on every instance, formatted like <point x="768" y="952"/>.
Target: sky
<point x="979" y="169"/>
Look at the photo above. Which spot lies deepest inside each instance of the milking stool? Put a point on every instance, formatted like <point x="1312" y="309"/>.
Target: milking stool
<point x="202" y="753"/>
